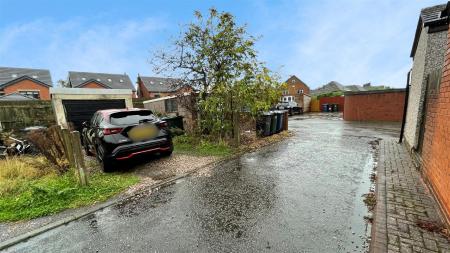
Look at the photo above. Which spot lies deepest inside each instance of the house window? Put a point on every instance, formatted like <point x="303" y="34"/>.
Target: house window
<point x="293" y="81"/>
<point x="171" y="105"/>
<point x="30" y="93"/>
<point x="300" y="91"/>
<point x="156" y="96"/>
<point x="285" y="92"/>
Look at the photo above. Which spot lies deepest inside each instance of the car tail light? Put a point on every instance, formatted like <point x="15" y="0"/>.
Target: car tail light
<point x="162" y="124"/>
<point x="108" y="131"/>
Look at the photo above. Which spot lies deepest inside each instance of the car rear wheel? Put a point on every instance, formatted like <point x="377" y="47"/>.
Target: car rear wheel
<point x="168" y="152"/>
<point x="107" y="165"/>
<point x="105" y="162"/>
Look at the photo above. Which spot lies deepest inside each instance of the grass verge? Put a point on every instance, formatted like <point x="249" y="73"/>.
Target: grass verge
<point x="194" y="146"/>
<point x="28" y="190"/>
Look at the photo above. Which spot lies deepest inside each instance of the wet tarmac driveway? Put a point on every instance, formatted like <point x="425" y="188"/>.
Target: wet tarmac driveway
<point x="300" y="195"/>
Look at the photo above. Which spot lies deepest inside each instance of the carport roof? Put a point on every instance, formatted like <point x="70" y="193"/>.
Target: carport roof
<point x="15" y="97"/>
<point x="8" y="75"/>
<point x="113" y="81"/>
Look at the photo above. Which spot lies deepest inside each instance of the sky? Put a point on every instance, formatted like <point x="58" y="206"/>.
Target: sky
<point x="349" y="41"/>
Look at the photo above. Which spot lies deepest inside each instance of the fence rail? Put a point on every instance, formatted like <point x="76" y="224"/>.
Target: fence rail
<point x="20" y="114"/>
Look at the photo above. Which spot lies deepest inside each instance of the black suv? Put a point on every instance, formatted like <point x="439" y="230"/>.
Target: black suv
<point x="120" y="134"/>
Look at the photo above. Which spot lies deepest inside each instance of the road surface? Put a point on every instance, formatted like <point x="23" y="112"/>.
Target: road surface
<point x="301" y="195"/>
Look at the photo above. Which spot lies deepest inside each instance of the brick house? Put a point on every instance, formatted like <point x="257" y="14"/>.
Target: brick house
<point x="35" y="83"/>
<point x="156" y="87"/>
<point x="100" y="81"/>
<point x="296" y="89"/>
<point x="427" y="128"/>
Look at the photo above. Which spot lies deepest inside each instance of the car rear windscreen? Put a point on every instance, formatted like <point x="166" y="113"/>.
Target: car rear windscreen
<point x="130" y="118"/>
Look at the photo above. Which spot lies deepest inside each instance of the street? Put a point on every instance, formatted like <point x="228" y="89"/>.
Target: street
<point x="300" y="195"/>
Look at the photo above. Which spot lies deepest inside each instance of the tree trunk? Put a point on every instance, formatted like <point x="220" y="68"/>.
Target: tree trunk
<point x="236" y="130"/>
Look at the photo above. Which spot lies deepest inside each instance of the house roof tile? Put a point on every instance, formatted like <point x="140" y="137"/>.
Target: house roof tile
<point x="113" y="81"/>
<point x="8" y="74"/>
<point x="161" y="84"/>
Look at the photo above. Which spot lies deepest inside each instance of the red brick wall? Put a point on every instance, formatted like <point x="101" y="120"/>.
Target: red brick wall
<point x="28" y="85"/>
<point x="294" y="84"/>
<point x="375" y="106"/>
<point x="436" y="145"/>
<point x="93" y="85"/>
<point x="340" y="101"/>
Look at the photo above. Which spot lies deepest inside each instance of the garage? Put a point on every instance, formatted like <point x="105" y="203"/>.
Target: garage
<point x="78" y="111"/>
<point x="73" y="106"/>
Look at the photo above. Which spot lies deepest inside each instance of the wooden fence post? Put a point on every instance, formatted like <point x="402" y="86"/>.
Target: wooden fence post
<point x="68" y="147"/>
<point x="79" y="158"/>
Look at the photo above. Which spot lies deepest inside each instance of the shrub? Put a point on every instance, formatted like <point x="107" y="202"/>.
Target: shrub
<point x="50" y="144"/>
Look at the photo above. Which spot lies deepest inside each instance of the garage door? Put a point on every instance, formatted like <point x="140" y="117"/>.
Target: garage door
<point x="78" y="111"/>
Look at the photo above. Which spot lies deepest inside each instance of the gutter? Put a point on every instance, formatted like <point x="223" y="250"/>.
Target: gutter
<point x="405" y="107"/>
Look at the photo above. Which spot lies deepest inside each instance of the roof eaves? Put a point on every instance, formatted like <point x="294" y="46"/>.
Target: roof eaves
<point x="23" y="78"/>
<point x="428" y="18"/>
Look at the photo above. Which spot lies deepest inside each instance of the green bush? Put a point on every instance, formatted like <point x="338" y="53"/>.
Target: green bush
<point x="331" y="94"/>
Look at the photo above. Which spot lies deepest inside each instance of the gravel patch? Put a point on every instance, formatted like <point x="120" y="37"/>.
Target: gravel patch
<point x="164" y="168"/>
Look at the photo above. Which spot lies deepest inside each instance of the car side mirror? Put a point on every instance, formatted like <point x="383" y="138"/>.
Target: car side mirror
<point x="85" y="124"/>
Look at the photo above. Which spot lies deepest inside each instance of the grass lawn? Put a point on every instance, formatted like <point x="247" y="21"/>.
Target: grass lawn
<point x="189" y="145"/>
<point x="28" y="189"/>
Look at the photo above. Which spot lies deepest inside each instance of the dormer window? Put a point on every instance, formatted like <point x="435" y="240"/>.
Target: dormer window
<point x="83" y="78"/>
<point x="14" y="75"/>
<point x="34" y="76"/>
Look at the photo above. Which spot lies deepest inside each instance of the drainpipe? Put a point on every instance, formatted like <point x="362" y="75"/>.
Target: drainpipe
<point x="405" y="108"/>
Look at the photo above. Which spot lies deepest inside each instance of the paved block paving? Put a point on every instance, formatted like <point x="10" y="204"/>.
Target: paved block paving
<point x="403" y="200"/>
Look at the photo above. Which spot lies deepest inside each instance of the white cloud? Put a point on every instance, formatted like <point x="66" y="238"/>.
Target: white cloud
<point x="79" y="45"/>
<point x="349" y="41"/>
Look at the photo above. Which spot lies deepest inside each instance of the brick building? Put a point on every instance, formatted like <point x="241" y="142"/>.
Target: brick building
<point x="156" y="87"/>
<point x="427" y="128"/>
<point x="33" y="83"/>
<point x="296" y="89"/>
<point x="100" y="81"/>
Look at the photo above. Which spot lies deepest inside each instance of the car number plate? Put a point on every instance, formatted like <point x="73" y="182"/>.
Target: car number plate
<point x="143" y="132"/>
